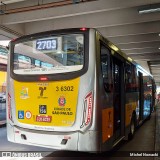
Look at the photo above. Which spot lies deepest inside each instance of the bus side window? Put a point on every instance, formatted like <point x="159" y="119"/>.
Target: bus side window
<point x="128" y="77"/>
<point x="131" y="79"/>
<point x="105" y="67"/>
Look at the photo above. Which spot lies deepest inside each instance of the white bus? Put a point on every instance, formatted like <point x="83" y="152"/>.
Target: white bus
<point x="74" y="90"/>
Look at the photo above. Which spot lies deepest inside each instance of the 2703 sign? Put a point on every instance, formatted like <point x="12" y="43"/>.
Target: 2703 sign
<point x="46" y="44"/>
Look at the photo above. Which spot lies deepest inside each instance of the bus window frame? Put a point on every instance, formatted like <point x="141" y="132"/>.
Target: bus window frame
<point x="50" y="77"/>
<point x="108" y="89"/>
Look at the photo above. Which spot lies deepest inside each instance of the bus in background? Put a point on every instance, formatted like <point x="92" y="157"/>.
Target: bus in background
<point x="73" y="86"/>
<point x="3" y="76"/>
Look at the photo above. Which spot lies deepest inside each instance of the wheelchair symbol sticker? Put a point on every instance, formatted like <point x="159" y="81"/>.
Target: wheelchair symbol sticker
<point x="20" y="114"/>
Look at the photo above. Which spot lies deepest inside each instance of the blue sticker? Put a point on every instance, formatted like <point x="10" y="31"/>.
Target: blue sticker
<point x="20" y="114"/>
<point x="42" y="109"/>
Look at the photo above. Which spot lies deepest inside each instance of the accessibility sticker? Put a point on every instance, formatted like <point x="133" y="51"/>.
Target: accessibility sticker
<point x="20" y="114"/>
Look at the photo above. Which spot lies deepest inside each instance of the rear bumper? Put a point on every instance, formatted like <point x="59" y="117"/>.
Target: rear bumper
<point x="60" y="141"/>
<point x="74" y="141"/>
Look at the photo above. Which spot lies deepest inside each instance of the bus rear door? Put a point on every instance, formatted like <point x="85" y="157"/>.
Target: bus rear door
<point x="118" y="99"/>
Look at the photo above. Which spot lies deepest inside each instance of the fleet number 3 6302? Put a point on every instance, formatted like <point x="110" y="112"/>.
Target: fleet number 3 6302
<point x="65" y="88"/>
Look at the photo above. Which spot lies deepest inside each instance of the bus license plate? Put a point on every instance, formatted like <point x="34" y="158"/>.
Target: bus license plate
<point x="43" y="118"/>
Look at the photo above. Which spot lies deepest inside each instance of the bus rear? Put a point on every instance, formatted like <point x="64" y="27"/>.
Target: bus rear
<point x="50" y="92"/>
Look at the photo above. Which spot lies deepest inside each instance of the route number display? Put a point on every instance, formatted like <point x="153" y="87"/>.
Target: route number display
<point x="46" y="44"/>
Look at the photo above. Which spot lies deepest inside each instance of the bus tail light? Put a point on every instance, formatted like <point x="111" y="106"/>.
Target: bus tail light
<point x="83" y="29"/>
<point x="88" y="107"/>
<point x="43" y="78"/>
<point x="9" y="107"/>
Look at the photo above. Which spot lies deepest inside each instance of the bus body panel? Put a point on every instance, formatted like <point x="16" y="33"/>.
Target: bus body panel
<point x="10" y="133"/>
<point x="130" y="106"/>
<point x="89" y="141"/>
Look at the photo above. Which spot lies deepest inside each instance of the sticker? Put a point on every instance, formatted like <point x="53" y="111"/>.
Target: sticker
<point x="28" y="114"/>
<point x="42" y="84"/>
<point x="67" y="122"/>
<point x="24" y="93"/>
<point x="41" y="93"/>
<point x="42" y="89"/>
<point x="20" y="114"/>
<point x="42" y="109"/>
<point x="62" y="101"/>
<point x="62" y="113"/>
<point x="40" y="118"/>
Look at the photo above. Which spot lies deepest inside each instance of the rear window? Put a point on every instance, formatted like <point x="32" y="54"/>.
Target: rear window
<point x="49" y="55"/>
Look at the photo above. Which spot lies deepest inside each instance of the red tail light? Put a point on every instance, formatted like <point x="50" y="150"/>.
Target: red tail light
<point x="9" y="107"/>
<point x="88" y="107"/>
<point x="43" y="79"/>
<point x="89" y="100"/>
<point x="83" y="29"/>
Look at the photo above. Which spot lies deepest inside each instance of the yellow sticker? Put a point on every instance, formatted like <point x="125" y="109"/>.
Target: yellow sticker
<point x="51" y="103"/>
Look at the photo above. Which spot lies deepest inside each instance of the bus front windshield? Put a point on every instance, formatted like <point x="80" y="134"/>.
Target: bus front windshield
<point x="49" y="55"/>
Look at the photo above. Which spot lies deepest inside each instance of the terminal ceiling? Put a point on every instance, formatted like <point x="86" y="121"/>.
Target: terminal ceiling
<point x="138" y="35"/>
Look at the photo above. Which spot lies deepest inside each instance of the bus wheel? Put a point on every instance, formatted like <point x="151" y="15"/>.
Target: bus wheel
<point x="132" y="129"/>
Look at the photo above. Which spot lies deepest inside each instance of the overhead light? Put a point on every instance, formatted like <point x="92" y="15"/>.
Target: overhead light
<point x="159" y="48"/>
<point x="130" y="59"/>
<point x="149" y="9"/>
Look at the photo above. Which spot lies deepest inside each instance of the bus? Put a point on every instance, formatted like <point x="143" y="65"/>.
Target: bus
<point x="3" y="73"/>
<point x="72" y="89"/>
